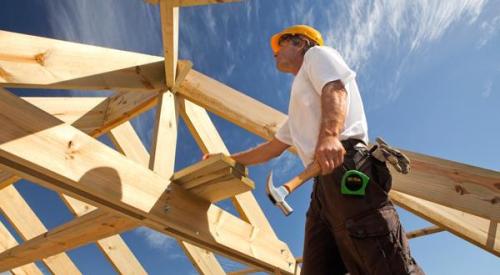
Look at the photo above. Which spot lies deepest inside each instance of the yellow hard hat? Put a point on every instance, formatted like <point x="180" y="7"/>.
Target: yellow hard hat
<point x="304" y="30"/>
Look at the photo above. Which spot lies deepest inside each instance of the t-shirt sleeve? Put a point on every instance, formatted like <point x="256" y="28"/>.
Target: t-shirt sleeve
<point x="283" y="134"/>
<point x="324" y="66"/>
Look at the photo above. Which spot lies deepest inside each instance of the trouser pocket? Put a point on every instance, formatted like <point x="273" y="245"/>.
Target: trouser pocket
<point x="378" y="242"/>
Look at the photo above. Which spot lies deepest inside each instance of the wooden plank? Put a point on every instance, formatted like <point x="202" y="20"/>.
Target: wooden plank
<point x="230" y="104"/>
<point x="222" y="174"/>
<point x="164" y="143"/>
<point x="102" y="114"/>
<point x="126" y="141"/>
<point x="466" y="188"/>
<point x="69" y="109"/>
<point x="214" y="179"/>
<point x="170" y="36"/>
<point x="114" y="247"/>
<point x="207" y="166"/>
<point x="28" y="226"/>
<point x="7" y="241"/>
<point x="477" y="230"/>
<point x="201" y="127"/>
<point x="221" y="189"/>
<point x="203" y="260"/>
<point x="186" y="3"/>
<point x="424" y="232"/>
<point x="70" y="161"/>
<point x="37" y="62"/>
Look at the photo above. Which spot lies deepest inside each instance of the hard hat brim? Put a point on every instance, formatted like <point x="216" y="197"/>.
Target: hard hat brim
<point x="275" y="39"/>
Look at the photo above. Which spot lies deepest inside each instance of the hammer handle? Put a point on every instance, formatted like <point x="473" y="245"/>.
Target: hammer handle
<point x="312" y="170"/>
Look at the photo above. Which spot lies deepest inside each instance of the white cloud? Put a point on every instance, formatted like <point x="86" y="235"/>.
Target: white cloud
<point x="362" y="29"/>
<point x="488" y="31"/>
<point x="370" y="32"/>
<point x="488" y="87"/>
<point x="284" y="164"/>
<point x="160" y="241"/>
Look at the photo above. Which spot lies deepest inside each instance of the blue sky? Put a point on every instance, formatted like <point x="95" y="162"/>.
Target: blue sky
<point x="428" y="71"/>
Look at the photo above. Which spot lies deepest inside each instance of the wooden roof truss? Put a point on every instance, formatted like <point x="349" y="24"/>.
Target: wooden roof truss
<point x="52" y="141"/>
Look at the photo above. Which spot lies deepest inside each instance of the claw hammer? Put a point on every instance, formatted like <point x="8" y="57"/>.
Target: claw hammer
<point x="278" y="195"/>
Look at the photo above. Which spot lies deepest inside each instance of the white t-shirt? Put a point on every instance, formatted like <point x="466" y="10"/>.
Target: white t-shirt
<point x="321" y="65"/>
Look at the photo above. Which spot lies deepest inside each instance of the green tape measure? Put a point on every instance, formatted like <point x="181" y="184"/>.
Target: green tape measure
<point x="354" y="183"/>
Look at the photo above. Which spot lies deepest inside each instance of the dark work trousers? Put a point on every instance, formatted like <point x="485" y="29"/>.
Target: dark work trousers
<point x="359" y="235"/>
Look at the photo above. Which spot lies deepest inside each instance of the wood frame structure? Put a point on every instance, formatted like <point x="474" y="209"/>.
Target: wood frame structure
<point x="52" y="142"/>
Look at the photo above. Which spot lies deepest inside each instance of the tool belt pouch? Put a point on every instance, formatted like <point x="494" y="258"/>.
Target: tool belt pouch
<point x="385" y="153"/>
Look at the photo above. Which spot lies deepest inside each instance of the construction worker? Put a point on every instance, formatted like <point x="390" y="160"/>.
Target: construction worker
<point x="327" y="124"/>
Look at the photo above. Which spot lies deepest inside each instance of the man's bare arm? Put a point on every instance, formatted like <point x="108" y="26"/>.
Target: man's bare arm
<point x="329" y="150"/>
<point x="261" y="153"/>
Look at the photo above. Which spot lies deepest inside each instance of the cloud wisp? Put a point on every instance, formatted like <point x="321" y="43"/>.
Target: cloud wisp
<point x="385" y="36"/>
<point x="159" y="241"/>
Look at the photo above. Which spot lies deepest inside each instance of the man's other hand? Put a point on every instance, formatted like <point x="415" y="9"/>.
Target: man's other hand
<point x="207" y="155"/>
<point x="329" y="153"/>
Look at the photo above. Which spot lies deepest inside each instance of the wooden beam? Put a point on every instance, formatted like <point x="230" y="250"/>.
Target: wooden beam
<point x="97" y="115"/>
<point x="201" y="127"/>
<point x="70" y="161"/>
<point x="7" y="241"/>
<point x="186" y="3"/>
<point x="424" y="232"/>
<point x="214" y="179"/>
<point x="69" y="109"/>
<point x="467" y="188"/>
<point x="230" y="104"/>
<point x="28" y="226"/>
<point x="115" y="110"/>
<point x="165" y="136"/>
<point x="170" y="34"/>
<point x="464" y="187"/>
<point x="113" y="247"/>
<point x="37" y="62"/>
<point x="479" y="231"/>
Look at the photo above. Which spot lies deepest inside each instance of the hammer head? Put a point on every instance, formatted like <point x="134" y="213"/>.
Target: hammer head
<point x="277" y="195"/>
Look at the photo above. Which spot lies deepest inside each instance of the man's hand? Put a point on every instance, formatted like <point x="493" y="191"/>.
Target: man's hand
<point x="329" y="153"/>
<point x="207" y="155"/>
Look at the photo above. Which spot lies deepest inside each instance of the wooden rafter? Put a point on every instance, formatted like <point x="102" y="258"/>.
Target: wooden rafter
<point x="424" y="232"/>
<point x="186" y="3"/>
<point x="29" y="131"/>
<point x="37" y="62"/>
<point x="7" y="241"/>
<point x="28" y="226"/>
<point x="480" y="231"/>
<point x="113" y="247"/>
